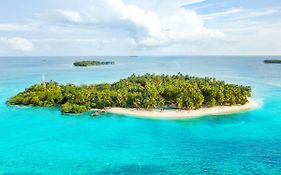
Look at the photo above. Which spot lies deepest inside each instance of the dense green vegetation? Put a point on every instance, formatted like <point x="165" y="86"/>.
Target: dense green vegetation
<point x="91" y="63"/>
<point x="273" y="61"/>
<point x="146" y="91"/>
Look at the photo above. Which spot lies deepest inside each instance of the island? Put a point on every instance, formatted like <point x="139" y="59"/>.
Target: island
<point x="91" y="63"/>
<point x="272" y="61"/>
<point x="149" y="94"/>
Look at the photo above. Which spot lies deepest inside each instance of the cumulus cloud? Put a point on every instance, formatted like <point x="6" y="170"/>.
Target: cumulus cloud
<point x="159" y="26"/>
<point x="19" y="44"/>
<point x="167" y="23"/>
<point x="138" y="21"/>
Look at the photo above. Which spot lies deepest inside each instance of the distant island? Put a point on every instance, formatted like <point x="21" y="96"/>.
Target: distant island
<point x="91" y="63"/>
<point x="147" y="92"/>
<point x="272" y="61"/>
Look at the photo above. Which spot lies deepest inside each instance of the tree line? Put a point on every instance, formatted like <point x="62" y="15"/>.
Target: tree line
<point x="91" y="63"/>
<point x="272" y="61"/>
<point x="148" y="91"/>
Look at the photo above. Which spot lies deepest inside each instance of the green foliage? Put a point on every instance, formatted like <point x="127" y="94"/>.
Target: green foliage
<point x="146" y="91"/>
<point x="272" y="61"/>
<point x="91" y="63"/>
<point x="73" y="108"/>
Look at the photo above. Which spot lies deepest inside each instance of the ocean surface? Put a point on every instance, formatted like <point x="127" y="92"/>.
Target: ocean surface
<point x="41" y="141"/>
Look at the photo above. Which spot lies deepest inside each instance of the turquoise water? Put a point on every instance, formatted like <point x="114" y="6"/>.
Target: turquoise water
<point x="41" y="141"/>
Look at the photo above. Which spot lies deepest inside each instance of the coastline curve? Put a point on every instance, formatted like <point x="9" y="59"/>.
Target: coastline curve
<point x="183" y="114"/>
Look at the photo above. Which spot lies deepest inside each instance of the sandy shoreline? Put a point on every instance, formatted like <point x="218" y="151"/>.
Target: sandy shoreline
<point x="183" y="114"/>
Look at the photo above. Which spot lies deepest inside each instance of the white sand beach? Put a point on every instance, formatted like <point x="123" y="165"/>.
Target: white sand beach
<point x="184" y="114"/>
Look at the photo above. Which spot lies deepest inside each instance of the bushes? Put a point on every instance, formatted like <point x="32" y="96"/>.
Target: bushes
<point x="73" y="108"/>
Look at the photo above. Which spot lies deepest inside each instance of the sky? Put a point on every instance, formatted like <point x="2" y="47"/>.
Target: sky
<point x="140" y="27"/>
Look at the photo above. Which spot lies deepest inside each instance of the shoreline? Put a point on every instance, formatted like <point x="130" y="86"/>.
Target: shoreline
<point x="183" y="114"/>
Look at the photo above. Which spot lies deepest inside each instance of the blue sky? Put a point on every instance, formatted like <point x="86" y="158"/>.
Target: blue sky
<point x="146" y="27"/>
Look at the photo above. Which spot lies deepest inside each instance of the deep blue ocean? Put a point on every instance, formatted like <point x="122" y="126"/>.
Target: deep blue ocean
<point x="41" y="141"/>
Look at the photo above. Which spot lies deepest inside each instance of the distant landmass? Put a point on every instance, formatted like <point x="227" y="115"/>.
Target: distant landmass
<point x="275" y="61"/>
<point x="91" y="63"/>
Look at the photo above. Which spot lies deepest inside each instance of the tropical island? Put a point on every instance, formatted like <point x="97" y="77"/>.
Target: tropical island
<point x="91" y="63"/>
<point x="147" y="92"/>
<point x="272" y="61"/>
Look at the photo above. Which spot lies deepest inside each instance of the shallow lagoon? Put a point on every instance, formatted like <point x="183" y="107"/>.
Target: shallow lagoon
<point x="41" y="141"/>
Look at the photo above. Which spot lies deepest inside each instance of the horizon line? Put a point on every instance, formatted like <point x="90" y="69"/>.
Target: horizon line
<point x="125" y="55"/>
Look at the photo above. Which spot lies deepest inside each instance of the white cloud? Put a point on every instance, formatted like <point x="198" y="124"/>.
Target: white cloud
<point x="163" y="5"/>
<point x="147" y="26"/>
<point x="179" y="3"/>
<point x="61" y="16"/>
<point x="239" y="13"/>
<point x="166" y="24"/>
<point x="223" y="13"/>
<point x="163" y="25"/>
<point x="187" y="25"/>
<point x="18" y="27"/>
<point x="19" y="44"/>
<point x="70" y="15"/>
<point x="262" y="12"/>
<point x="140" y="23"/>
